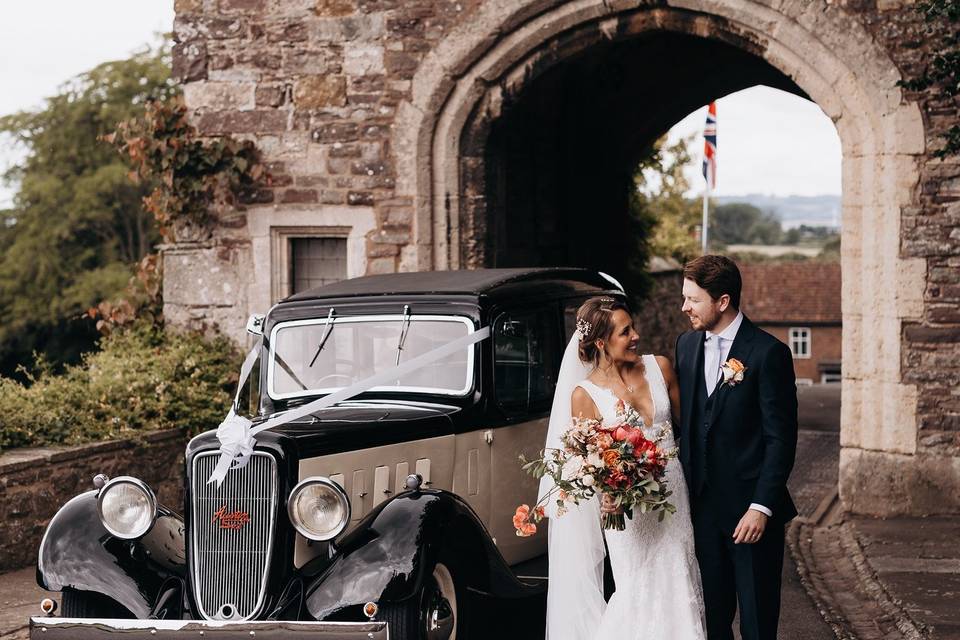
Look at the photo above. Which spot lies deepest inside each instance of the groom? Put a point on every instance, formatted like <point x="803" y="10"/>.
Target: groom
<point x="738" y="442"/>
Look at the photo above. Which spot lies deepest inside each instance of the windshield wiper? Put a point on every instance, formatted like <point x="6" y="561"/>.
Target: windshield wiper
<point x="326" y="334"/>
<point x="404" y="328"/>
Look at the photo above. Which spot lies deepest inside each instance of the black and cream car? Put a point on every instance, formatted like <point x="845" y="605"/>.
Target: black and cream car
<point x="388" y="513"/>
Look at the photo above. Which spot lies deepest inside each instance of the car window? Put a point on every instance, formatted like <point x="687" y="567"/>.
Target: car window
<point x="355" y="348"/>
<point x="527" y="357"/>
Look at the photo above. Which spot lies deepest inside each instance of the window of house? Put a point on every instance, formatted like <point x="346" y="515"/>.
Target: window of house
<point x="800" y="342"/>
<point x="315" y="262"/>
<point x="829" y="372"/>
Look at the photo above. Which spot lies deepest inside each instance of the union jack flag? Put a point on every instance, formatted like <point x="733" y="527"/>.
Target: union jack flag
<point x="710" y="147"/>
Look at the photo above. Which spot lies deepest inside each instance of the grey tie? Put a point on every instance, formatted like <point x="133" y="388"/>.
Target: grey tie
<point x="716" y="354"/>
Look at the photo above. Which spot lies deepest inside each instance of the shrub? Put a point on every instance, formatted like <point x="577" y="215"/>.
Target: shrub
<point x="142" y="378"/>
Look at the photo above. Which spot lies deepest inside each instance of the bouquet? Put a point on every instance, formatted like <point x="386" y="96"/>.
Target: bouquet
<point x="618" y="461"/>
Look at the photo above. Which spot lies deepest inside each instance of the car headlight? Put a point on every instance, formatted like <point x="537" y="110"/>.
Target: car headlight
<point x="127" y="507"/>
<point x="319" y="508"/>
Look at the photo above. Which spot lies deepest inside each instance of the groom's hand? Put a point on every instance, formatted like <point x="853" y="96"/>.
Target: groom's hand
<point x="750" y="527"/>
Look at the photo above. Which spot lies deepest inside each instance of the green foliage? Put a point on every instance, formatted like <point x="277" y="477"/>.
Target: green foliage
<point x="141" y="379"/>
<point x="742" y="223"/>
<point x="78" y="224"/>
<point x="943" y="70"/>
<point x="657" y="201"/>
<point x="192" y="177"/>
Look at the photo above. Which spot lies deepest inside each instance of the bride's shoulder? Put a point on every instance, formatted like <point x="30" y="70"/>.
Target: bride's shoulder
<point x="581" y="402"/>
<point x="665" y="365"/>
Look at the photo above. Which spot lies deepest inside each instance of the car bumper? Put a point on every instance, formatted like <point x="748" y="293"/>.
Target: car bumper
<point x="54" y="628"/>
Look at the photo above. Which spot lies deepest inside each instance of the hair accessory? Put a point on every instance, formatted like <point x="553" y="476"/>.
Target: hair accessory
<point x="583" y="328"/>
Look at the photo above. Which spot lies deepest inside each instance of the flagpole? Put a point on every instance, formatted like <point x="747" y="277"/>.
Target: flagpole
<point x="703" y="232"/>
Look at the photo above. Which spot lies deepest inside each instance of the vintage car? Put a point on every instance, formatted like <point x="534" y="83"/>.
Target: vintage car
<point x="388" y="513"/>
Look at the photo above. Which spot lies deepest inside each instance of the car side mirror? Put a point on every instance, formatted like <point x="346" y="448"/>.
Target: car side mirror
<point x="255" y="324"/>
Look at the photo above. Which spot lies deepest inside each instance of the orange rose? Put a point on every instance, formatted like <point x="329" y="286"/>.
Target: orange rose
<point x="521" y="516"/>
<point x="526" y="530"/>
<point x="610" y="458"/>
<point x="539" y="513"/>
<point x="736" y="365"/>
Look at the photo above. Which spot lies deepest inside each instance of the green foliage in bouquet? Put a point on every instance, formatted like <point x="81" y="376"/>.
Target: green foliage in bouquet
<point x="142" y="378"/>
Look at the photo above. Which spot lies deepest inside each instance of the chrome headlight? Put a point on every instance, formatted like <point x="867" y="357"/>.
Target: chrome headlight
<point x="127" y="507"/>
<point x="319" y="508"/>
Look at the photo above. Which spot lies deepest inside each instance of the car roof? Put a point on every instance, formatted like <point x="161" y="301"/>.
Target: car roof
<point x="476" y="282"/>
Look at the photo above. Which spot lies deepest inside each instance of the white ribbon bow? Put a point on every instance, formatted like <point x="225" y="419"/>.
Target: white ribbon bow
<point x="236" y="433"/>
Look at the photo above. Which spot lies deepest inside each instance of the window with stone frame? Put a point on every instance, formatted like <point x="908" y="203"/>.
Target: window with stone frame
<point x="316" y="261"/>
<point x="800" y="342"/>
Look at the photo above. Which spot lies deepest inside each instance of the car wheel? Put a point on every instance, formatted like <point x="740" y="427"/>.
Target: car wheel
<point x="86" y="604"/>
<point x="430" y="615"/>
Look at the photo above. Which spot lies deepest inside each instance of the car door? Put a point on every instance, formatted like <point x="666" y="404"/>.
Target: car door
<point x="527" y="354"/>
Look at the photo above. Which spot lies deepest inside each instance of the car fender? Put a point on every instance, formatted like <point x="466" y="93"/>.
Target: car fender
<point x="78" y="553"/>
<point x="389" y="554"/>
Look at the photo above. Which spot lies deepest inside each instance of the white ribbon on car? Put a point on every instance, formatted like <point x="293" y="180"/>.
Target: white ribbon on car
<point x="237" y="433"/>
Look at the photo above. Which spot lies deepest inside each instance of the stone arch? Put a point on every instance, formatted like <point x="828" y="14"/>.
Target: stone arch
<point x="827" y="53"/>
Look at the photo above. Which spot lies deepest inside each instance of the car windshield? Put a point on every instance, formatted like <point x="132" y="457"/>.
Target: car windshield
<point x="359" y="347"/>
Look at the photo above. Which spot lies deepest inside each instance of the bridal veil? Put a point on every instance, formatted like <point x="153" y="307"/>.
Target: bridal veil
<point x="576" y="551"/>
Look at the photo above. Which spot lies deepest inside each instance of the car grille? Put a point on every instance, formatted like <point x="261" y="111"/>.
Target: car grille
<point x="232" y="536"/>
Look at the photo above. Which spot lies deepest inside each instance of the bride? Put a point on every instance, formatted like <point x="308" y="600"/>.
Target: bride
<point x="658" y="593"/>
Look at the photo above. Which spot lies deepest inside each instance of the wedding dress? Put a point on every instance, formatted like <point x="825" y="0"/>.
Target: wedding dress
<point x="658" y="592"/>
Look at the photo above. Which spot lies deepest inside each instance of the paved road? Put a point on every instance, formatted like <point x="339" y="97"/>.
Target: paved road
<point x="814" y="476"/>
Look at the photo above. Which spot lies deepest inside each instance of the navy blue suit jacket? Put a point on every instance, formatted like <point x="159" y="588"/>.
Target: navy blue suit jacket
<point x="751" y="441"/>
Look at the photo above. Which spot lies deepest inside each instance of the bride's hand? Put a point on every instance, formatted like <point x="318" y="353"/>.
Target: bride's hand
<point x="607" y="504"/>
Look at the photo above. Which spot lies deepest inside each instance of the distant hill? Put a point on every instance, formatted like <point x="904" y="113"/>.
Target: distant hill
<point x="793" y="211"/>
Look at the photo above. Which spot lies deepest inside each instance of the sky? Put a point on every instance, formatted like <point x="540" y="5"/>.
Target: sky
<point x="44" y="43"/>
<point x="769" y="141"/>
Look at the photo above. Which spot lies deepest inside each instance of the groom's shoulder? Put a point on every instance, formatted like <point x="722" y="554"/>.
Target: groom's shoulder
<point x="767" y="340"/>
<point x="688" y="336"/>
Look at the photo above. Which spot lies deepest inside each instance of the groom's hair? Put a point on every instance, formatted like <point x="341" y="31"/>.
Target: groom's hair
<point x="717" y="275"/>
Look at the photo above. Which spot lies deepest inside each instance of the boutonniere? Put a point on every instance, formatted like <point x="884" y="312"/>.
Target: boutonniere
<point x="733" y="371"/>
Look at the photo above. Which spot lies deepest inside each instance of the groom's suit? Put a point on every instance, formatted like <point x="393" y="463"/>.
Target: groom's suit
<point x="737" y="447"/>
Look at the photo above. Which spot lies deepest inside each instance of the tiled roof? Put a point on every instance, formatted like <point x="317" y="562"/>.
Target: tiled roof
<point x="802" y="291"/>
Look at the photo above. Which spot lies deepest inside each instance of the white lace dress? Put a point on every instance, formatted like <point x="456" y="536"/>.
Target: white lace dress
<point x="658" y="595"/>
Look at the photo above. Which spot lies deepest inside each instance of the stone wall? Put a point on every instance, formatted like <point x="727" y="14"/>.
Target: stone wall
<point x="35" y="483"/>
<point x="659" y="320"/>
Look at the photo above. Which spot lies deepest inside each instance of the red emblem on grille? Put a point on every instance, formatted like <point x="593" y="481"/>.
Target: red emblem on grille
<point x="230" y="519"/>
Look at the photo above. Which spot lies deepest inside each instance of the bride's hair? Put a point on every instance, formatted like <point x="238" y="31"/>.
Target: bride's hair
<point x="595" y="316"/>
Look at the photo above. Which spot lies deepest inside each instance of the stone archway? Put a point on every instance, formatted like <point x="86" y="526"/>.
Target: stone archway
<point x="819" y="50"/>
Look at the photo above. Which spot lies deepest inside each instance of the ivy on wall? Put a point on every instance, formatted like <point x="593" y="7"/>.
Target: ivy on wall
<point x="942" y="21"/>
<point x="195" y="178"/>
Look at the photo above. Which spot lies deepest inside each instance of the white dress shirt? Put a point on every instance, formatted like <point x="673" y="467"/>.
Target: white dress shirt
<point x="716" y="350"/>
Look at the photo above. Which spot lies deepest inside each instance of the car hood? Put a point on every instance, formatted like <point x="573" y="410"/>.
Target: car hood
<point x="348" y="426"/>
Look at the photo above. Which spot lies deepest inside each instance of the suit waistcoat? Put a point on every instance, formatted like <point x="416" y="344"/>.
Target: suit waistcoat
<point x="700" y="425"/>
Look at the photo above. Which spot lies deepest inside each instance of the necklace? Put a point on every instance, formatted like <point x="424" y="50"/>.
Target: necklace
<point x="608" y="377"/>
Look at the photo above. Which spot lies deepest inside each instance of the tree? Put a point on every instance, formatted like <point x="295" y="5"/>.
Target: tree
<point x="658" y="200"/>
<point x="743" y="223"/>
<point x="78" y="224"/>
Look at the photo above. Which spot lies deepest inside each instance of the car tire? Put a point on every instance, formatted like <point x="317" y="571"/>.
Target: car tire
<point x="432" y="614"/>
<point x="86" y="604"/>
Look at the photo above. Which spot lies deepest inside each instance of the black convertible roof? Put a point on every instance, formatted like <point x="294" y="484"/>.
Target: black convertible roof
<point x="473" y="282"/>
